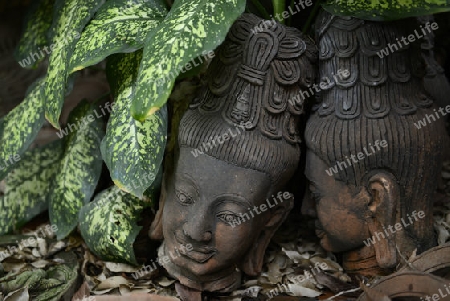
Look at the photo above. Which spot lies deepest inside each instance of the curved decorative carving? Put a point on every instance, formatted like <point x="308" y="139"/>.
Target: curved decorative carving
<point x="357" y="46"/>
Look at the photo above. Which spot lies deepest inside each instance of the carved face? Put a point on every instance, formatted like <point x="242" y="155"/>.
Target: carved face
<point x="341" y="209"/>
<point x="203" y="196"/>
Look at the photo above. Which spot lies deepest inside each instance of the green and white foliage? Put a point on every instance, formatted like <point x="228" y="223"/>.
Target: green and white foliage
<point x="34" y="36"/>
<point x="19" y="128"/>
<point x="109" y="224"/>
<point x="119" y="26"/>
<point x="27" y="187"/>
<point x="79" y="169"/>
<point x="191" y="28"/>
<point x="132" y="149"/>
<point x="385" y="10"/>
<point x="70" y="17"/>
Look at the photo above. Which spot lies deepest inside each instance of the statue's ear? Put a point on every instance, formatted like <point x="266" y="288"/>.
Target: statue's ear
<point x="156" y="228"/>
<point x="384" y="192"/>
<point x="252" y="263"/>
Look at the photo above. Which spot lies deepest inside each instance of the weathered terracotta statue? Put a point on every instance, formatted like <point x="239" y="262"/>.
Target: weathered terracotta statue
<point x="372" y="166"/>
<point x="238" y="147"/>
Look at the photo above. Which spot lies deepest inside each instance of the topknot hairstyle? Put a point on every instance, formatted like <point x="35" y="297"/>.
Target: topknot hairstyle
<point x="254" y="80"/>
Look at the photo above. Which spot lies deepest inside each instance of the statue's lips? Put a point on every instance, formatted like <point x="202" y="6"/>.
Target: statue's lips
<point x="199" y="254"/>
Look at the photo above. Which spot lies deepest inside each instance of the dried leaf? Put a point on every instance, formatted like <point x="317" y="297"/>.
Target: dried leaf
<point x="19" y="295"/>
<point x="164" y="281"/>
<point x="301" y="291"/>
<point x="82" y="292"/>
<point x="274" y="273"/>
<point x="112" y="282"/>
<point x="40" y="264"/>
<point x="120" y="267"/>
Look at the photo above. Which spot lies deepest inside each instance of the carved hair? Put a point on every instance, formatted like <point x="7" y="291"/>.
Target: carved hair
<point x="380" y="99"/>
<point x="255" y="80"/>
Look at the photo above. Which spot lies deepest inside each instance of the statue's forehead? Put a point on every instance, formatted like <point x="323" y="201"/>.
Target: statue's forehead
<point x="208" y="175"/>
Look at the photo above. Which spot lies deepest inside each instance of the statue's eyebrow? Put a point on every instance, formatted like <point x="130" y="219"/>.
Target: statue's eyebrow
<point x="188" y="178"/>
<point x="231" y="197"/>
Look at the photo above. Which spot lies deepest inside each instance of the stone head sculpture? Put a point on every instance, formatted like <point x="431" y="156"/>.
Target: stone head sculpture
<point x="238" y="147"/>
<point x="372" y="165"/>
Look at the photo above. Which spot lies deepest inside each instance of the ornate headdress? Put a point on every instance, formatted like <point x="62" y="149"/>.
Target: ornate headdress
<point x="380" y="98"/>
<point x="255" y="80"/>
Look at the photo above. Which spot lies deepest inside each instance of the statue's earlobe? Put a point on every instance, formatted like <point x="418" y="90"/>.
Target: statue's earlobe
<point x="252" y="263"/>
<point x="383" y="205"/>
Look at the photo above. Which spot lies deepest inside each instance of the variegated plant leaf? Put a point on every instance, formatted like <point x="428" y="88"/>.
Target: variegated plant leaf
<point x="387" y="9"/>
<point x="28" y="185"/>
<point x="20" y="126"/>
<point x="2" y="127"/>
<point x="154" y="191"/>
<point x="70" y="18"/>
<point x="109" y="224"/>
<point x="132" y="150"/>
<point x="57" y="283"/>
<point x="118" y="26"/>
<point x="50" y="285"/>
<point x="79" y="170"/>
<point x="191" y="28"/>
<point x="19" y="280"/>
<point x="34" y="44"/>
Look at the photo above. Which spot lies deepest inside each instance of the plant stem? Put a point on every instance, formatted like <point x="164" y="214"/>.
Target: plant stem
<point x="278" y="8"/>
<point x="261" y="9"/>
<point x="312" y="16"/>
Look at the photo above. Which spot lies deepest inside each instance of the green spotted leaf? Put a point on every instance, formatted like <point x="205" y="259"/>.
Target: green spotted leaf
<point x="20" y="127"/>
<point x="71" y="17"/>
<point x="50" y="285"/>
<point x="21" y="279"/>
<point x="191" y="28"/>
<point x="132" y="150"/>
<point x="79" y="169"/>
<point x="118" y="26"/>
<point x="28" y="185"/>
<point x="386" y="10"/>
<point x="154" y="191"/>
<point x="58" y="282"/>
<point x="34" y="43"/>
<point x="109" y="224"/>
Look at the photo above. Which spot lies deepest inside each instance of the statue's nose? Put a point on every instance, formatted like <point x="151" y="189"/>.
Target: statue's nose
<point x="197" y="228"/>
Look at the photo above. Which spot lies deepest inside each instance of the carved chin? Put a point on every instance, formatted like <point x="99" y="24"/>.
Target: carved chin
<point x="200" y="276"/>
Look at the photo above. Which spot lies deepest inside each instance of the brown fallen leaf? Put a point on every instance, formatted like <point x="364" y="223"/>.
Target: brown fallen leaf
<point x="82" y="293"/>
<point x="19" y="295"/>
<point x="332" y="283"/>
<point x="136" y="297"/>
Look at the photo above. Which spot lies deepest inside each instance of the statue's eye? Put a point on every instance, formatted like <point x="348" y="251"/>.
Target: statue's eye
<point x="184" y="198"/>
<point x="228" y="217"/>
